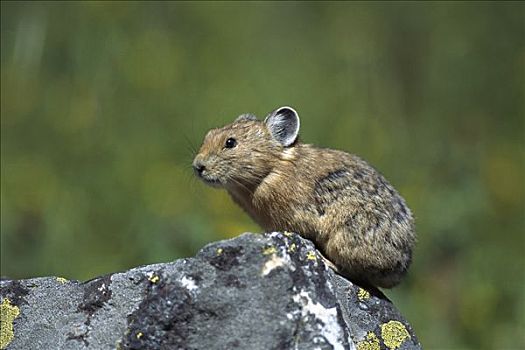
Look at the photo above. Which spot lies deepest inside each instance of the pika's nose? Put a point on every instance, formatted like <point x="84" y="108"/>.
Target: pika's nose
<point x="198" y="167"/>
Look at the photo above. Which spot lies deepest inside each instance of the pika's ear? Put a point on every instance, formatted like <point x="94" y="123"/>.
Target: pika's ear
<point x="283" y="124"/>
<point x="246" y="116"/>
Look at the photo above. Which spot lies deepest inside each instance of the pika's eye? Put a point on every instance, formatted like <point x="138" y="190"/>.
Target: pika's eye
<point x="230" y="143"/>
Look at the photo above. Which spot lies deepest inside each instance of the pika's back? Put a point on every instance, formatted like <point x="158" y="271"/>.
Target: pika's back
<point x="336" y="199"/>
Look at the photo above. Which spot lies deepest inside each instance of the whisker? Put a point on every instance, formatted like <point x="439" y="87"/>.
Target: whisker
<point x="189" y="145"/>
<point x="240" y="184"/>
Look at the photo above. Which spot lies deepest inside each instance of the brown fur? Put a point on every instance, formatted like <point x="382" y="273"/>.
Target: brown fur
<point x="352" y="214"/>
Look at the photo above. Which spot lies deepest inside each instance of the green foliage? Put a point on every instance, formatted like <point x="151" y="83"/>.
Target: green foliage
<point x="103" y="105"/>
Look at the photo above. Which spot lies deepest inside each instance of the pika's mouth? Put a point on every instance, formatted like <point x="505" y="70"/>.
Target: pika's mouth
<point x="203" y="173"/>
<point x="212" y="181"/>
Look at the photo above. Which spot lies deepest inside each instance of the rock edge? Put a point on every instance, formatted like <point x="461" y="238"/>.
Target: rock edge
<point x="269" y="291"/>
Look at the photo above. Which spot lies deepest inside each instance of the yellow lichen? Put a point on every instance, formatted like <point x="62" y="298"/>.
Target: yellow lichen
<point x="153" y="279"/>
<point x="219" y="251"/>
<point x="394" y="334"/>
<point x="269" y="250"/>
<point x="292" y="248"/>
<point x="287" y="234"/>
<point x="311" y="255"/>
<point x="371" y="342"/>
<point x="363" y="294"/>
<point x="139" y="335"/>
<point x="8" y="313"/>
<point x="61" y="280"/>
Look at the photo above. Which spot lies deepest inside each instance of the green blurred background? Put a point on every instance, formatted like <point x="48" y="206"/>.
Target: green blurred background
<point x="103" y="105"/>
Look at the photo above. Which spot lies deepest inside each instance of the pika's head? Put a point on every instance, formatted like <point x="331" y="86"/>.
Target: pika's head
<point x="243" y="153"/>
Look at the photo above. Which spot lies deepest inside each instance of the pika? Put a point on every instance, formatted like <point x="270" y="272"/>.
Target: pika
<point x="355" y="218"/>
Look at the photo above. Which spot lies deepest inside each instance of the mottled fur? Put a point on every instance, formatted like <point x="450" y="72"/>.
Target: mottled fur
<point x="337" y="200"/>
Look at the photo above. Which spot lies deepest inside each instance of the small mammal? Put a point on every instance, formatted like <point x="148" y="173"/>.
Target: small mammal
<point x="337" y="200"/>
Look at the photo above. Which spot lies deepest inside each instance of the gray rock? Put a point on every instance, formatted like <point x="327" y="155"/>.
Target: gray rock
<point x="269" y="291"/>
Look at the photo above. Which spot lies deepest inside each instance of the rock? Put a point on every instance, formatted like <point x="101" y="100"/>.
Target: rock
<point x="269" y="291"/>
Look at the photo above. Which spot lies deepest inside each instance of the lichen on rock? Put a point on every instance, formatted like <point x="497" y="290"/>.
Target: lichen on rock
<point x="8" y="313"/>
<point x="394" y="333"/>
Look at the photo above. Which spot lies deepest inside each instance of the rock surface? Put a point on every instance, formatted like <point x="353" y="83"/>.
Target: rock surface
<point x="269" y="291"/>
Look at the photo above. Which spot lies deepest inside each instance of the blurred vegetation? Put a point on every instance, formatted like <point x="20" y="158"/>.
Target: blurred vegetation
<point x="103" y="104"/>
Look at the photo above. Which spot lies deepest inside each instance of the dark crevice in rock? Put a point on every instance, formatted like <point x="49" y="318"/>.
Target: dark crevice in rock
<point x="96" y="294"/>
<point x="15" y="292"/>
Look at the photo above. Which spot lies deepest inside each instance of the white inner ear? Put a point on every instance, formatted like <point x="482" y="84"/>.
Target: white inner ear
<point x="284" y="124"/>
